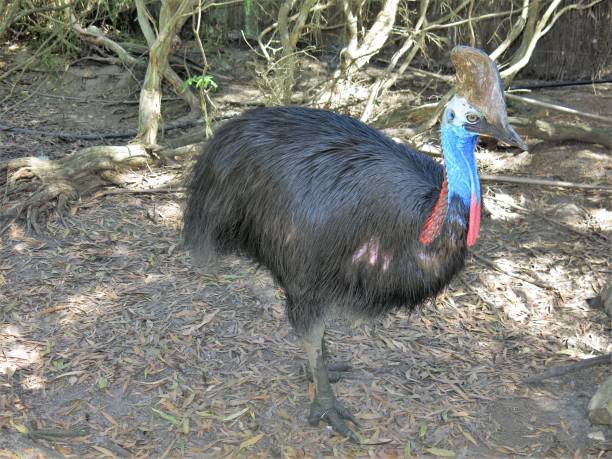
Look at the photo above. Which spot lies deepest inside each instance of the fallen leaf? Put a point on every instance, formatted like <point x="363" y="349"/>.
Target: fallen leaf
<point x="19" y="427"/>
<point x="166" y="416"/>
<point x="231" y="417"/>
<point x="441" y="452"/>
<point x="251" y="441"/>
<point x="469" y="437"/>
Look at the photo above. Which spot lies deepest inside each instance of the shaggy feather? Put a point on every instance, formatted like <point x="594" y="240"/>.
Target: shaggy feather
<point x="331" y="206"/>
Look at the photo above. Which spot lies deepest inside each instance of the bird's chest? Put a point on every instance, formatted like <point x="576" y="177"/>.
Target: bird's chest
<point x="442" y="262"/>
<point x="439" y="261"/>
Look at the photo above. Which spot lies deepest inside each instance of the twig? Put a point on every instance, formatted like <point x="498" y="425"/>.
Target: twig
<point x="559" y="108"/>
<point x="116" y="449"/>
<point x="515" y="31"/>
<point x="110" y="135"/>
<point x="168" y="449"/>
<point x="564" y="369"/>
<point x="543" y="182"/>
<point x="179" y="189"/>
<point x="560" y="84"/>
<point x="48" y="434"/>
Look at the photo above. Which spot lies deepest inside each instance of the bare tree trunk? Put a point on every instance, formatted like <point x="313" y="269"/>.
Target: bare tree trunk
<point x="514" y="33"/>
<point x="388" y="78"/>
<point x="356" y="55"/>
<point x="172" y="16"/>
<point x="289" y="39"/>
<point x="169" y="74"/>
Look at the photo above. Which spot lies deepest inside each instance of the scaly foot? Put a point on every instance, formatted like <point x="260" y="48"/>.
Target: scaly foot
<point x="334" y="413"/>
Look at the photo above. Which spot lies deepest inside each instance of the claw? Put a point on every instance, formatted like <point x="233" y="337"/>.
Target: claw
<point x="334" y="413"/>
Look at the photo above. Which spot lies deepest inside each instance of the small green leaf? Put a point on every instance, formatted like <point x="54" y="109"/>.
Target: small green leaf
<point x="102" y="382"/>
<point x="422" y="429"/>
<point x="19" y="427"/>
<point x="441" y="452"/>
<point x="408" y="451"/>
<point x="200" y="82"/>
<point x="167" y="417"/>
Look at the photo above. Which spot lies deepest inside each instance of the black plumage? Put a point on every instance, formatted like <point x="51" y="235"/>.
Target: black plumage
<point x="331" y="206"/>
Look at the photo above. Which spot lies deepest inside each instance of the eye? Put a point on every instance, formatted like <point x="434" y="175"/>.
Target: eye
<point x="451" y="115"/>
<point x="472" y="118"/>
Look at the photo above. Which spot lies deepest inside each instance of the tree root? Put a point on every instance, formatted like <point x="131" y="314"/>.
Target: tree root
<point x="36" y="187"/>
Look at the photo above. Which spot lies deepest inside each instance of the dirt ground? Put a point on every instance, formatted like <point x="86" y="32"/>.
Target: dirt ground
<point x="112" y="343"/>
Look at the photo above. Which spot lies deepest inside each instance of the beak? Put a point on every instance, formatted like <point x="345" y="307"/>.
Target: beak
<point x="505" y="133"/>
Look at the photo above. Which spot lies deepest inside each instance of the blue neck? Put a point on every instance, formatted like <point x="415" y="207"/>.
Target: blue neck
<point x="461" y="174"/>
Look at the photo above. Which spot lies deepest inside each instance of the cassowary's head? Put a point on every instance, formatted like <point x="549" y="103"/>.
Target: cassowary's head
<point x="479" y="107"/>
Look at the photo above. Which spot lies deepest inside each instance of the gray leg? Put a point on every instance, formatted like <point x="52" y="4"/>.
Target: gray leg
<point x="335" y="369"/>
<point x="325" y="406"/>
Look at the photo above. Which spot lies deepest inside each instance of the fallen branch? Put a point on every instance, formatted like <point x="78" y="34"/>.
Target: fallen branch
<point x="564" y="369"/>
<point x="536" y="128"/>
<point x="543" y="182"/>
<point x="556" y="132"/>
<point x="559" y="108"/>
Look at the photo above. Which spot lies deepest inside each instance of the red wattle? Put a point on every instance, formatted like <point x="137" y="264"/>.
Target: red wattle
<point x="474" y="221"/>
<point x="433" y="224"/>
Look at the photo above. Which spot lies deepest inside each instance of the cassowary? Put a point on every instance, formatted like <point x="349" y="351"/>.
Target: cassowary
<point x="348" y="221"/>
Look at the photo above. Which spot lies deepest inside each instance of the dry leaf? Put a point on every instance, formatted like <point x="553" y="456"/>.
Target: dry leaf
<point x="251" y="441"/>
<point x="440" y="452"/>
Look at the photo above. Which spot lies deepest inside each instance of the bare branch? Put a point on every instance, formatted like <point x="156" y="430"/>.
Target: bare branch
<point x="544" y="182"/>
<point x="95" y="36"/>
<point x="559" y="108"/>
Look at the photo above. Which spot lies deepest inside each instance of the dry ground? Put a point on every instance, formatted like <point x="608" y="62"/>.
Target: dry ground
<point x="112" y="343"/>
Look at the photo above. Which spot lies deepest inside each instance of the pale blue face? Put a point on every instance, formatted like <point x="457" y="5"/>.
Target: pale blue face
<point x="460" y="114"/>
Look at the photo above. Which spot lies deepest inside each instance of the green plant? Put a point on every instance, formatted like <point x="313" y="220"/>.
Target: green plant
<point x="201" y="82"/>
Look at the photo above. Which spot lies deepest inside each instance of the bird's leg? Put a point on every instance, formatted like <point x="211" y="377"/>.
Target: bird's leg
<point x="335" y="369"/>
<point x="325" y="405"/>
